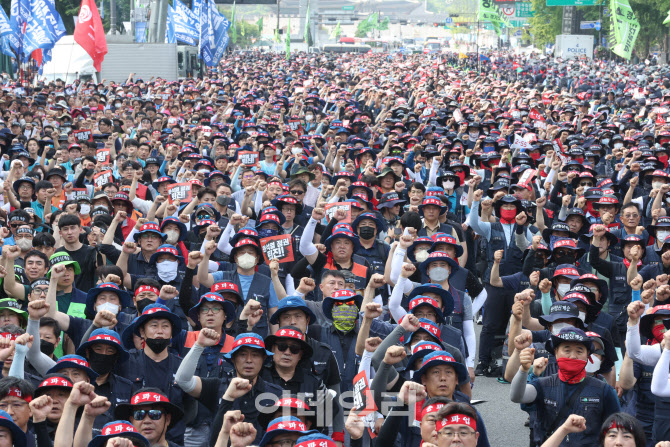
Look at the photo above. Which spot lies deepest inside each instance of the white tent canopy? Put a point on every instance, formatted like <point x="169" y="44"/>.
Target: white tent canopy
<point x="69" y="62"/>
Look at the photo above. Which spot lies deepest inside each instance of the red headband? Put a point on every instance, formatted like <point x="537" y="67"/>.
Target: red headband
<point x="147" y="289"/>
<point x="457" y="419"/>
<point x="17" y="393"/>
<point x="433" y="408"/>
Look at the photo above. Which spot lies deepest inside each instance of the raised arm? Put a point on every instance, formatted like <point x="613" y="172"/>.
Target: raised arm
<point x="63" y="319"/>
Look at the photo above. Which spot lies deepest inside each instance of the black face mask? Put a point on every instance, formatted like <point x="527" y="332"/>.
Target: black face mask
<point x="101" y="363"/>
<point x="539" y="263"/>
<point x="47" y="347"/>
<point x="367" y="233"/>
<point x="141" y="304"/>
<point x="157" y="345"/>
<point x="565" y="259"/>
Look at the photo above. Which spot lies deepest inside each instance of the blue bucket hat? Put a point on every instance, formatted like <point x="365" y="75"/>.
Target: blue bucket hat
<point x="381" y="226"/>
<point x="422" y="349"/>
<point x="283" y="425"/>
<point x="228" y="307"/>
<point x="179" y="223"/>
<point x="342" y="234"/>
<point x="427" y="326"/>
<point x="340" y="296"/>
<point x="166" y="249"/>
<point x="149" y="227"/>
<point x="315" y="440"/>
<point x="569" y="334"/>
<point x="291" y="303"/>
<point x="441" y="358"/>
<point x="157" y="311"/>
<point x="160" y="180"/>
<point x="419" y="301"/>
<point x="437" y="289"/>
<point x="247" y="340"/>
<point x="105" y="337"/>
<point x="74" y="361"/>
<point x="124" y="297"/>
<point x="118" y="429"/>
<point x="19" y="438"/>
<point x="438" y="256"/>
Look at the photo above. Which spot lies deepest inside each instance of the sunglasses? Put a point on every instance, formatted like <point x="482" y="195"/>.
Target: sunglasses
<point x="154" y="415"/>
<point x="346" y="303"/>
<point x="282" y="347"/>
<point x="297" y="192"/>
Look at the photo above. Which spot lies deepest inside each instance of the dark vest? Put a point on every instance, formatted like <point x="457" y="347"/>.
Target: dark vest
<point x="589" y="404"/>
<point x="259" y="291"/>
<point x="344" y="349"/>
<point x="512" y="256"/>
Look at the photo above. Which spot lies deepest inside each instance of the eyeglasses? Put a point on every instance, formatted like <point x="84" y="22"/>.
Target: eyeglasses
<point x="631" y="216"/>
<point x="248" y="176"/>
<point x="214" y="310"/>
<point x="40" y="290"/>
<point x="154" y="415"/>
<point x="297" y="192"/>
<point x="427" y="315"/>
<point x="282" y="347"/>
<point x="463" y="434"/>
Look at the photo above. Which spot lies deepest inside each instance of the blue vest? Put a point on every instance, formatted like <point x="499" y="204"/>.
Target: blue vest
<point x="589" y="404"/>
<point x="651" y="256"/>
<point x="259" y="290"/>
<point x="122" y="390"/>
<point x="645" y="402"/>
<point x="344" y="349"/>
<point x="512" y="256"/>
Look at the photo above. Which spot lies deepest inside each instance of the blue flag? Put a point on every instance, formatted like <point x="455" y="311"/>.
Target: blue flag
<point x="186" y="24"/>
<point x="169" y="29"/>
<point x="197" y="10"/>
<point x="43" y="28"/>
<point x="206" y="34"/>
<point x="8" y="38"/>
<point x="220" y="25"/>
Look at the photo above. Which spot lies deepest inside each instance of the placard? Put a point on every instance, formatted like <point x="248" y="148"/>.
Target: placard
<point x="332" y="208"/>
<point x="79" y="192"/>
<point x="278" y="247"/>
<point x="102" y="178"/>
<point x="535" y="115"/>
<point x="363" y="404"/>
<point x="294" y="125"/>
<point x="179" y="192"/>
<point x="527" y="177"/>
<point x="248" y="158"/>
<point x="83" y="135"/>
<point x="102" y="155"/>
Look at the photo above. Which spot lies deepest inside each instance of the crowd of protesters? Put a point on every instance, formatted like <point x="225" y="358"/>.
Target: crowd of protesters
<point x="297" y="252"/>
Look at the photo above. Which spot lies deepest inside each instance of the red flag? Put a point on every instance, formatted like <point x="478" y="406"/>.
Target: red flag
<point x="89" y="32"/>
<point x="535" y="115"/>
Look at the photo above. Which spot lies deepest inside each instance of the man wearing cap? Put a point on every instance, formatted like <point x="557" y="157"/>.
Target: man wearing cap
<point x="155" y="366"/>
<point x="12" y="432"/>
<point x="340" y="253"/>
<point x="247" y="254"/>
<point x="152" y="414"/>
<point x="570" y="391"/>
<point x="240" y="387"/>
<point x="134" y="265"/>
<point x="283" y="429"/>
<point x="389" y="206"/>
<point x="500" y="236"/>
<point x="438" y="376"/>
<point x="69" y="299"/>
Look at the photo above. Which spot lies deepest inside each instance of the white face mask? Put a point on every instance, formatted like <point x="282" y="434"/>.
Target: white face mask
<point x="421" y="255"/>
<point x="556" y="328"/>
<point x="296" y="150"/>
<point x="438" y="274"/>
<point x="309" y="117"/>
<point x="656" y="185"/>
<point x="111" y="307"/>
<point x="593" y="367"/>
<point x="167" y="270"/>
<point x="172" y="236"/>
<point x="85" y="209"/>
<point x="449" y="184"/>
<point x="562" y="289"/>
<point x="24" y="244"/>
<point x="662" y="235"/>
<point x="246" y="261"/>
<point x="582" y="316"/>
<point x="618" y="145"/>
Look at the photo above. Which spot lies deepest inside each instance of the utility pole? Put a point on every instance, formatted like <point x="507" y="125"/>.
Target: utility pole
<point x="112" y="16"/>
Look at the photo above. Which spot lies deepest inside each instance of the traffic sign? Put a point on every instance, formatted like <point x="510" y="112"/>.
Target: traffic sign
<point x="449" y="20"/>
<point x="598" y="26"/>
<point x="508" y="10"/>
<point x="571" y="2"/>
<point x="589" y="25"/>
<point x="348" y="7"/>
